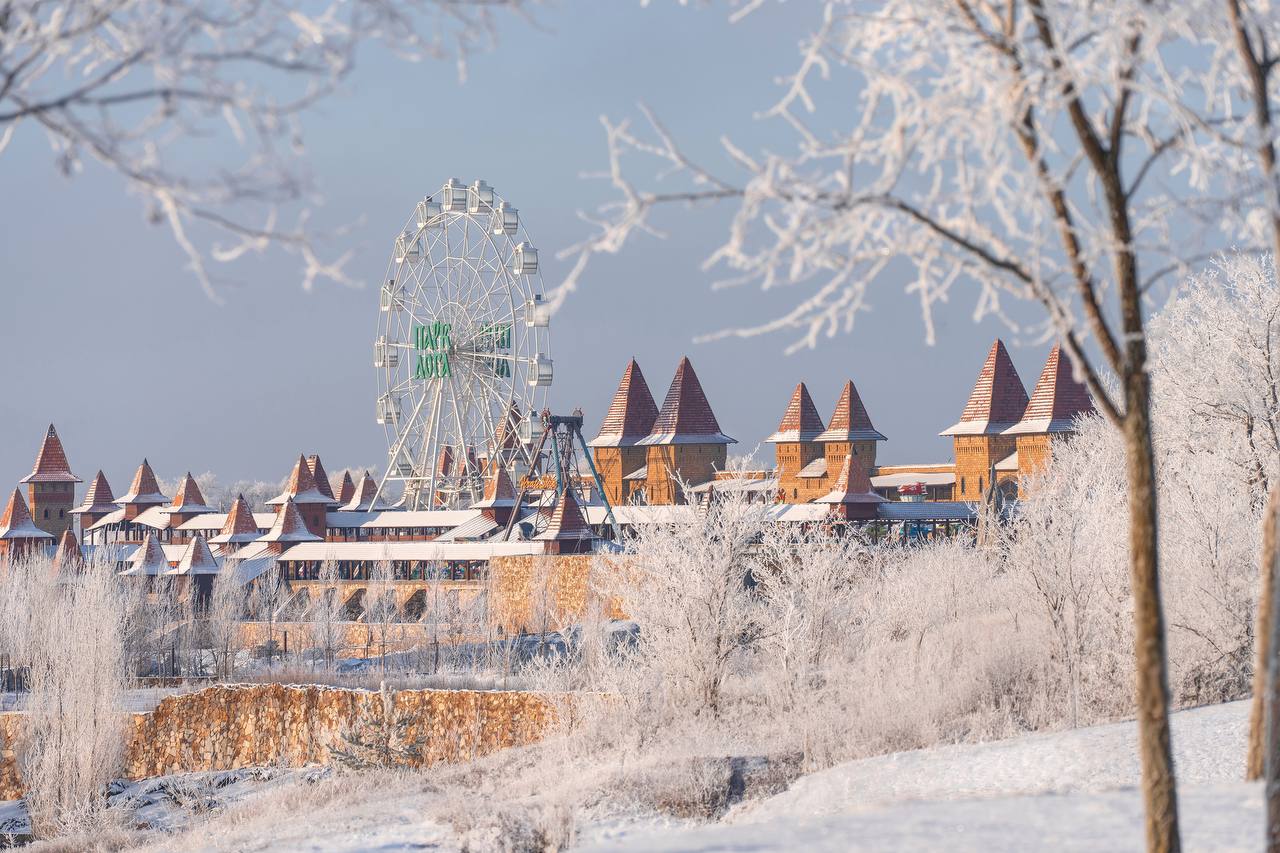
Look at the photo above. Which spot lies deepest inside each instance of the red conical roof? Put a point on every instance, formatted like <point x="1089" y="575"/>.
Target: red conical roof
<point x="67" y="556"/>
<point x="197" y="559"/>
<point x="850" y="421"/>
<point x="301" y="487"/>
<point x="1057" y="399"/>
<point x="149" y="559"/>
<point x="362" y="500"/>
<point x="853" y="486"/>
<point x="566" y="520"/>
<point x="99" y="497"/>
<point x="16" y="521"/>
<point x="51" y="462"/>
<point x="347" y="489"/>
<point x="686" y="416"/>
<point x="801" y="421"/>
<point x="289" y="526"/>
<point x="239" y="526"/>
<point x="319" y="476"/>
<point x="998" y="398"/>
<point x="188" y="498"/>
<point x="631" y="414"/>
<point x="498" y="490"/>
<point x="144" y="489"/>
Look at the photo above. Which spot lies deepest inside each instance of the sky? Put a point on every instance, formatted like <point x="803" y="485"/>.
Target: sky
<point x="104" y="331"/>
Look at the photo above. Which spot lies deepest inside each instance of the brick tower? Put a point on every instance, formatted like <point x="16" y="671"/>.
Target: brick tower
<point x="1056" y="401"/>
<point x="852" y="499"/>
<point x="187" y="504"/>
<point x="796" y="448"/>
<point x="996" y="403"/>
<point x="51" y="487"/>
<point x="143" y="492"/>
<point x="685" y="442"/>
<point x="617" y="451"/>
<point x="850" y="432"/>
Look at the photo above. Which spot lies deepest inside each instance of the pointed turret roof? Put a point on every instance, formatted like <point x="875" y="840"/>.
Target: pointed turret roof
<point x="850" y="421"/>
<point x="301" y="487"/>
<point x="362" y="500"/>
<point x="346" y="490"/>
<point x="240" y="525"/>
<point x="853" y="486"/>
<point x="197" y="559"/>
<point x="998" y="398"/>
<point x="144" y="489"/>
<point x="801" y="421"/>
<point x="320" y="477"/>
<point x="498" y="490"/>
<point x="51" y="462"/>
<point x="566" y="521"/>
<point x="98" y="498"/>
<point x="631" y="414"/>
<point x="1057" y="399"/>
<point x="16" y="521"/>
<point x="289" y="526"/>
<point x="188" y="499"/>
<point x="149" y="559"/>
<point x="68" y="555"/>
<point x="686" y="416"/>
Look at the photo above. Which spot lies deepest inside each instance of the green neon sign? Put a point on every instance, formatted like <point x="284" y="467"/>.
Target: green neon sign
<point x="432" y="342"/>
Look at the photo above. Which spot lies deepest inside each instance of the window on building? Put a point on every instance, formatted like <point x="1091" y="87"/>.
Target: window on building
<point x="962" y="486"/>
<point x="979" y="485"/>
<point x="46" y="513"/>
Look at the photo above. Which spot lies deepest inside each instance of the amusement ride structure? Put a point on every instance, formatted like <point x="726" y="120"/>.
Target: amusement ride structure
<point x="463" y="350"/>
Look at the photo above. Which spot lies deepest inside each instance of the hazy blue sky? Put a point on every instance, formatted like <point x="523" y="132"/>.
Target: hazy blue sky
<point x="105" y="333"/>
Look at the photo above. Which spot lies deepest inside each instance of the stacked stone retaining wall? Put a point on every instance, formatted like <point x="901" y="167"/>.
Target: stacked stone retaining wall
<point x="233" y="726"/>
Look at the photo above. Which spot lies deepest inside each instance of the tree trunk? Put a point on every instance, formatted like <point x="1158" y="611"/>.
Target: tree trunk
<point x="1254" y="763"/>
<point x="1159" y="792"/>
<point x="1271" y="751"/>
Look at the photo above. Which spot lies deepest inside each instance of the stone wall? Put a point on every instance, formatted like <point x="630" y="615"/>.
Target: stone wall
<point x="536" y="593"/>
<point x="245" y="725"/>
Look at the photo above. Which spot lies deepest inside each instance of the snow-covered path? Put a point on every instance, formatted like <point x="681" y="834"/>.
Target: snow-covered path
<point x="1062" y="791"/>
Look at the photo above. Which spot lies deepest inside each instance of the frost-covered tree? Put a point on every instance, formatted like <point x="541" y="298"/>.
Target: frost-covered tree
<point x="1066" y="152"/>
<point x="381" y="610"/>
<point x="685" y="583"/>
<point x="1216" y="358"/>
<point x="265" y="600"/>
<point x="141" y="87"/>
<point x="328" y="614"/>
<point x="72" y="742"/>
<point x="223" y="620"/>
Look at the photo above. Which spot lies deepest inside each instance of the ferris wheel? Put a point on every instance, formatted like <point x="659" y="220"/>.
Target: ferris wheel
<point x="463" y="351"/>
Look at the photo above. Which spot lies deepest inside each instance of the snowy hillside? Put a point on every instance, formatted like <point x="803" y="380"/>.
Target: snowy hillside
<point x="1063" y="791"/>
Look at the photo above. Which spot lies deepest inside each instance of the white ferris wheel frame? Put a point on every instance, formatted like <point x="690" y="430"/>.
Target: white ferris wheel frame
<point x="464" y="259"/>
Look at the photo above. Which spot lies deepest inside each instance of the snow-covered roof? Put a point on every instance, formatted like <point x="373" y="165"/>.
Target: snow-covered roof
<point x="929" y="478"/>
<point x="197" y="559"/>
<point x="641" y="473"/>
<point x="433" y="550"/>
<point x="1009" y="463"/>
<point x="218" y="520"/>
<point x="816" y="468"/>
<point x="477" y="528"/>
<point x="438" y="518"/>
<point x="153" y="516"/>
<point x="737" y="484"/>
<point x="144" y="489"/>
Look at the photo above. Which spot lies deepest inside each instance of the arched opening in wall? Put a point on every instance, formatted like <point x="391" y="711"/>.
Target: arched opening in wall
<point x="1007" y="489"/>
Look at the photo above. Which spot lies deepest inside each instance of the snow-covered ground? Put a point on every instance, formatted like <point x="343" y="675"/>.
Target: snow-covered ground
<point x="1072" y="790"/>
<point x="1063" y="791"/>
